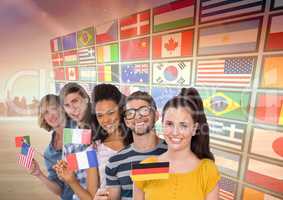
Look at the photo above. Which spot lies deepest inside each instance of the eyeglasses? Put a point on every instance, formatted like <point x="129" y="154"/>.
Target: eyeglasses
<point x="143" y="111"/>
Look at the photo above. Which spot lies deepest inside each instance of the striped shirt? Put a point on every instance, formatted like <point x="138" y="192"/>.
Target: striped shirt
<point x="118" y="168"/>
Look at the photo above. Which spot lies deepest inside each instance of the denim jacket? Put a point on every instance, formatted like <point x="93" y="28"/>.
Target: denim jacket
<point x="51" y="156"/>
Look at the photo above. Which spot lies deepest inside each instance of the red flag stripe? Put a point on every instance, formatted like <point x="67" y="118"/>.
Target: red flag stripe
<point x="72" y="162"/>
<point x="150" y="170"/>
<point x="268" y="182"/>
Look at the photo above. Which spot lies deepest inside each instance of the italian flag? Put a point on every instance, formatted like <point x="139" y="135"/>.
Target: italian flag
<point x="82" y="160"/>
<point x="77" y="136"/>
<point x="173" y="15"/>
<point x="108" y="53"/>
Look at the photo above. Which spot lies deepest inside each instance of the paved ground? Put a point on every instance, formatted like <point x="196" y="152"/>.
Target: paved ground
<point x="15" y="182"/>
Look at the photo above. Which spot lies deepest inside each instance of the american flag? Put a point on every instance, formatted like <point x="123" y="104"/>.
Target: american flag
<point x="227" y="189"/>
<point x="26" y="156"/>
<point x="233" y="72"/>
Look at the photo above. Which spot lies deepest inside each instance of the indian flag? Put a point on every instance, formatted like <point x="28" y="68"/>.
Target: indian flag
<point x="77" y="136"/>
<point x="173" y="15"/>
<point x="150" y="171"/>
<point x="82" y="160"/>
<point x="107" y="53"/>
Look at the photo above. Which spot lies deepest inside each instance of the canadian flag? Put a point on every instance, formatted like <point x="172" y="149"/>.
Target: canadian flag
<point x="173" y="45"/>
<point x="72" y="73"/>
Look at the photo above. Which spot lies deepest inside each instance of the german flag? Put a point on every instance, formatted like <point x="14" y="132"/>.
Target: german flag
<point x="150" y="171"/>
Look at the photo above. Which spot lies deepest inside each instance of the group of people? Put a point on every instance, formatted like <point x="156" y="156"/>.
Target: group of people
<point x="123" y="134"/>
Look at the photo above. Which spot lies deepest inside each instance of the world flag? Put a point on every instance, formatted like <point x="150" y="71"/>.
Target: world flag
<point x="252" y="194"/>
<point x="85" y="37"/>
<point x="228" y="72"/>
<point x="82" y="160"/>
<point x="56" y="44"/>
<point x="86" y="55"/>
<point x="107" y="32"/>
<point x="108" y="53"/>
<point x="265" y="175"/>
<point x="230" y="105"/>
<point x="173" y="15"/>
<point x="271" y="74"/>
<point x="275" y="34"/>
<point x="19" y="140"/>
<point x="235" y="37"/>
<point x="172" y="45"/>
<point x="269" y="109"/>
<point x="88" y="87"/>
<point x="57" y="59"/>
<point x="137" y="49"/>
<point x="268" y="143"/>
<point x="72" y="73"/>
<point x="227" y="163"/>
<point x="70" y="57"/>
<point x="69" y="41"/>
<point x="108" y="73"/>
<point x="59" y="73"/>
<point x="135" y="73"/>
<point x="177" y="73"/>
<point x="213" y="10"/>
<point x="26" y="156"/>
<point x="129" y="89"/>
<point x="227" y="189"/>
<point x="88" y="73"/>
<point x="227" y="134"/>
<point x="135" y="25"/>
<point x="161" y="95"/>
<point x="76" y="136"/>
<point x="150" y="171"/>
<point x="58" y="87"/>
<point x="276" y="5"/>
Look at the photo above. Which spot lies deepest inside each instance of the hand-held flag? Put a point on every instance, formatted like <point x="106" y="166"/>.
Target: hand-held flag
<point x="150" y="171"/>
<point x="26" y="156"/>
<point x="82" y="160"/>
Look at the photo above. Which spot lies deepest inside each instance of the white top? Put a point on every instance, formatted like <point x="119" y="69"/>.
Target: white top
<point x="103" y="154"/>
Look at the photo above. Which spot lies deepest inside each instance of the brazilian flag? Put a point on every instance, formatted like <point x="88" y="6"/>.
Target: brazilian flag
<point x="230" y="105"/>
<point x="85" y="37"/>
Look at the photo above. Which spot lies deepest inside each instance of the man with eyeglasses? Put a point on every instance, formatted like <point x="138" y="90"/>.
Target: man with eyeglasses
<point x="140" y="116"/>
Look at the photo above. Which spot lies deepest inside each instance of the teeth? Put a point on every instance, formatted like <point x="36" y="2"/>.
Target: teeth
<point x="140" y="124"/>
<point x="176" y="140"/>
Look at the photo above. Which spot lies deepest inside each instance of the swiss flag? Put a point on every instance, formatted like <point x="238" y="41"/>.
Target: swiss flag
<point x="57" y="59"/>
<point x="72" y="73"/>
<point x="135" y="25"/>
<point x="172" y="45"/>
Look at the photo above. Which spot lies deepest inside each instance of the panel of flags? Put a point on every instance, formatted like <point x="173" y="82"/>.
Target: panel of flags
<point x="162" y="49"/>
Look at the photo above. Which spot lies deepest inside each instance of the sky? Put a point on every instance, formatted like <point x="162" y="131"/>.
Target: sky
<point x="27" y="27"/>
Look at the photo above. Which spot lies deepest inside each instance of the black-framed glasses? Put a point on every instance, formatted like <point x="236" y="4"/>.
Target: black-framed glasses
<point x="143" y="111"/>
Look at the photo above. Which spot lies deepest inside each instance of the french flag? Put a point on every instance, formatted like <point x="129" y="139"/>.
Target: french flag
<point x="82" y="160"/>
